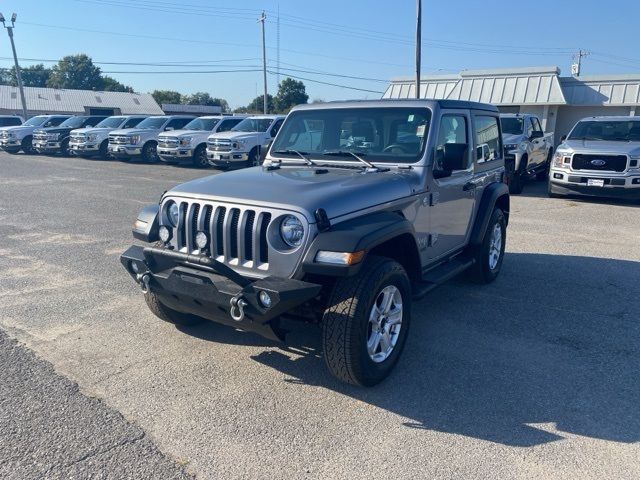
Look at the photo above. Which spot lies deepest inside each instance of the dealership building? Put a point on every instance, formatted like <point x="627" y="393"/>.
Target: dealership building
<point x="41" y="101"/>
<point x="559" y="101"/>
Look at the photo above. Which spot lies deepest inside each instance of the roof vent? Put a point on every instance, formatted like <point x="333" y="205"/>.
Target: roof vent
<point x="98" y="99"/>
<point x="57" y="96"/>
<point x="136" y="101"/>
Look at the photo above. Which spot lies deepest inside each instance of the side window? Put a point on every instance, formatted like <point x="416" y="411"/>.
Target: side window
<point x="487" y="136"/>
<point x="453" y="129"/>
<point x="55" y="121"/>
<point x="178" y="123"/>
<point x="132" y="122"/>
<point x="536" y="124"/>
<point x="227" y="125"/>
<point x="276" y="127"/>
<point x="529" y="127"/>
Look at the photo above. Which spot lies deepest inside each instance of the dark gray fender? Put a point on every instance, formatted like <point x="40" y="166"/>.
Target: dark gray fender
<point x="494" y="194"/>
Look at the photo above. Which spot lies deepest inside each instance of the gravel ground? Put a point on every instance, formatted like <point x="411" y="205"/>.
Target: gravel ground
<point x="533" y="376"/>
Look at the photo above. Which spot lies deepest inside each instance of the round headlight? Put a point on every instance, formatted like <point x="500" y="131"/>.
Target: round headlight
<point x="173" y="214"/>
<point x="291" y="231"/>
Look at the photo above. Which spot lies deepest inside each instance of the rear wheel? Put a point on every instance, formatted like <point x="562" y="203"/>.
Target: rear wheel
<point x="150" y="152"/>
<point x="365" y="326"/>
<point x="489" y="255"/>
<point x="27" y="146"/>
<point x="200" y="157"/>
<point x="167" y="314"/>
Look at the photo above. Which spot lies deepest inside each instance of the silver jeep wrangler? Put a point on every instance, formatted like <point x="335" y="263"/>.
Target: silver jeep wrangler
<point x="359" y="208"/>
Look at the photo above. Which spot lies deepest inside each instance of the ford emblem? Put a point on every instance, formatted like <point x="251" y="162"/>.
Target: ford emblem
<point x="597" y="162"/>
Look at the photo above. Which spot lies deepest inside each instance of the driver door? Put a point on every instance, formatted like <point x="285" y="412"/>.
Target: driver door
<point x="452" y="199"/>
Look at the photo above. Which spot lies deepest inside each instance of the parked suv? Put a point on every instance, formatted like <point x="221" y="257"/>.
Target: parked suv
<point x="241" y="146"/>
<point x="52" y="140"/>
<point x="94" y="141"/>
<point x="600" y="157"/>
<point x="190" y="143"/>
<point x="528" y="150"/>
<point x="14" y="139"/>
<point x="142" y="141"/>
<point x="361" y="207"/>
<point x="10" y="121"/>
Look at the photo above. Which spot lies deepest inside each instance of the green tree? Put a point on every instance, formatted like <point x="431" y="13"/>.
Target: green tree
<point x="166" y="96"/>
<point x="290" y="93"/>
<point x="110" y="84"/>
<point x="5" y="76"/>
<point x="32" y="76"/>
<point x="75" y="72"/>
<point x="257" y="104"/>
<point x="203" y="98"/>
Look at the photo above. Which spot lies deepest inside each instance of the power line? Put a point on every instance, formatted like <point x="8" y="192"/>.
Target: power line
<point x="329" y="83"/>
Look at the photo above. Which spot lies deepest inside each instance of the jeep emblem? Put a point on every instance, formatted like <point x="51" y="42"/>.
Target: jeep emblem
<point x="598" y="163"/>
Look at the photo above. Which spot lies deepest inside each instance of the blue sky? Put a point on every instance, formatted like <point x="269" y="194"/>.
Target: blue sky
<point x="372" y="40"/>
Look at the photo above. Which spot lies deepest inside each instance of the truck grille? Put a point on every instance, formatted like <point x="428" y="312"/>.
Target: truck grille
<point x="216" y="145"/>
<point x="78" y="138"/>
<point x="600" y="163"/>
<point x="119" y="140"/>
<point x="39" y="136"/>
<point x="164" y="142"/>
<point x="237" y="234"/>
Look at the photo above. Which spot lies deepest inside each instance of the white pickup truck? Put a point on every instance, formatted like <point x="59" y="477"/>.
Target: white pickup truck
<point x="528" y="150"/>
<point x="190" y="143"/>
<point x="94" y="141"/>
<point x="142" y="141"/>
<point x="242" y="145"/>
<point x="14" y="139"/>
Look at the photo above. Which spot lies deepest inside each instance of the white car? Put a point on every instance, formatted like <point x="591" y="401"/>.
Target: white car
<point x="242" y="145"/>
<point x="142" y="141"/>
<point x="190" y="143"/>
<point x="14" y="139"/>
<point x="94" y="141"/>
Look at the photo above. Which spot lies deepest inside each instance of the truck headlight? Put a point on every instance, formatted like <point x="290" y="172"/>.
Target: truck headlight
<point x="92" y="137"/>
<point x="134" y="139"/>
<point x="173" y="213"/>
<point x="292" y="231"/>
<point x="185" y="141"/>
<point x="238" y="145"/>
<point x="561" y="160"/>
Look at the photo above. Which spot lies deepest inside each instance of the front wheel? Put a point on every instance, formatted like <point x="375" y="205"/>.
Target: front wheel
<point x="27" y="146"/>
<point x="200" y="157"/>
<point x="490" y="254"/>
<point x="150" y="152"/>
<point x="64" y="147"/>
<point x="103" y="151"/>
<point x="365" y="325"/>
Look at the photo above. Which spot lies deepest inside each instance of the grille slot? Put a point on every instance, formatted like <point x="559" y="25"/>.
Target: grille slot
<point x="264" y="250"/>
<point x="248" y="235"/>
<point x="233" y="233"/>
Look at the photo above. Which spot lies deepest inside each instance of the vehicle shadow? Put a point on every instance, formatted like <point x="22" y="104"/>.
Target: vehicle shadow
<point x="550" y="348"/>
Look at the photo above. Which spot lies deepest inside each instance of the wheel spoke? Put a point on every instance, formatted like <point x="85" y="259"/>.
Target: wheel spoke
<point x="385" y="343"/>
<point x="395" y="316"/>
<point x="386" y="300"/>
<point x="373" y="343"/>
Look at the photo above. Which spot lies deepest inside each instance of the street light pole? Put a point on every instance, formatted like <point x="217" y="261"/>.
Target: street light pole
<point x="15" y="59"/>
<point x="264" y="63"/>
<point x="418" y="44"/>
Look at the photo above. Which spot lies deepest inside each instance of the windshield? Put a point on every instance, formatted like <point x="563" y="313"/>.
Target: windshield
<point x="73" y="122"/>
<point x="204" y="124"/>
<point x="111" y="122"/>
<point x="253" y="125"/>
<point x="152" y="123"/>
<point x="391" y="135"/>
<point x="512" y="125"/>
<point x="612" y="131"/>
<point x="35" y="121"/>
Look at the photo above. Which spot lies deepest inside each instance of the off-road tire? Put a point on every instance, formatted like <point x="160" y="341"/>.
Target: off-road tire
<point x="544" y="173"/>
<point x="516" y="182"/>
<point x="481" y="272"/>
<point x="200" y="159"/>
<point x="150" y="152"/>
<point x="27" y="146"/>
<point x="167" y="314"/>
<point x="346" y="318"/>
<point x="64" y="147"/>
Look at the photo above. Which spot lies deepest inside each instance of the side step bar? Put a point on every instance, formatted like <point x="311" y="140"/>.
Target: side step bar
<point x="440" y="275"/>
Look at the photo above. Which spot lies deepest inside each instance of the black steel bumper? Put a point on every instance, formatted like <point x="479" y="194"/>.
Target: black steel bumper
<point x="201" y="286"/>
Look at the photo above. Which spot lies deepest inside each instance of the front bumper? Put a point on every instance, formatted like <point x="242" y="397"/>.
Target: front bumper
<point x="46" y="146"/>
<point x="175" y="154"/>
<point x="10" y="143"/>
<point x="198" y="285"/>
<point x="125" y="151"/>
<point x="567" y="182"/>
<point x="80" y="148"/>
<point x="226" y="159"/>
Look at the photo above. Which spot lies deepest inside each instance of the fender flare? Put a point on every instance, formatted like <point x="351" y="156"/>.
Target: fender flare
<point x="493" y="194"/>
<point x="146" y="226"/>
<point x="362" y="233"/>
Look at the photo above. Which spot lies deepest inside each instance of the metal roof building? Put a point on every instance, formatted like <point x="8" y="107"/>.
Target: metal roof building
<point x="559" y="101"/>
<point x="76" y="102"/>
<point x="198" y="110"/>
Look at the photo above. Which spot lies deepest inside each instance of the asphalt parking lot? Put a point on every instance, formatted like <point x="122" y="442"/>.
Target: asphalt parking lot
<point x="533" y="376"/>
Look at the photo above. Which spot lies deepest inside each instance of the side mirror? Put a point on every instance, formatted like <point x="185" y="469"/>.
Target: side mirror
<point x="454" y="157"/>
<point x="168" y="129"/>
<point x="536" y="134"/>
<point x="563" y="138"/>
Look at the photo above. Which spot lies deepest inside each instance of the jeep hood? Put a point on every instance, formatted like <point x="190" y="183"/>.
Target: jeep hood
<point x="339" y="191"/>
<point x="595" y="147"/>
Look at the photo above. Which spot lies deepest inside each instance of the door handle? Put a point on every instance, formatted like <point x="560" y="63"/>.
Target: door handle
<point x="469" y="186"/>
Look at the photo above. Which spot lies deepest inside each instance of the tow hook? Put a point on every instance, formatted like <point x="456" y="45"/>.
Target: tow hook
<point x="237" y="308"/>
<point x="143" y="280"/>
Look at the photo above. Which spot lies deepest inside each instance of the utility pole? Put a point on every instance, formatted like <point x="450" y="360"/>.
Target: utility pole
<point x="418" y="42"/>
<point x="264" y="62"/>
<point x="15" y="59"/>
<point x="577" y="65"/>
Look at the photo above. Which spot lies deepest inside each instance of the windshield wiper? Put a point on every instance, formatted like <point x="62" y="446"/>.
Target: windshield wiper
<point x="342" y="153"/>
<point x="302" y="155"/>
